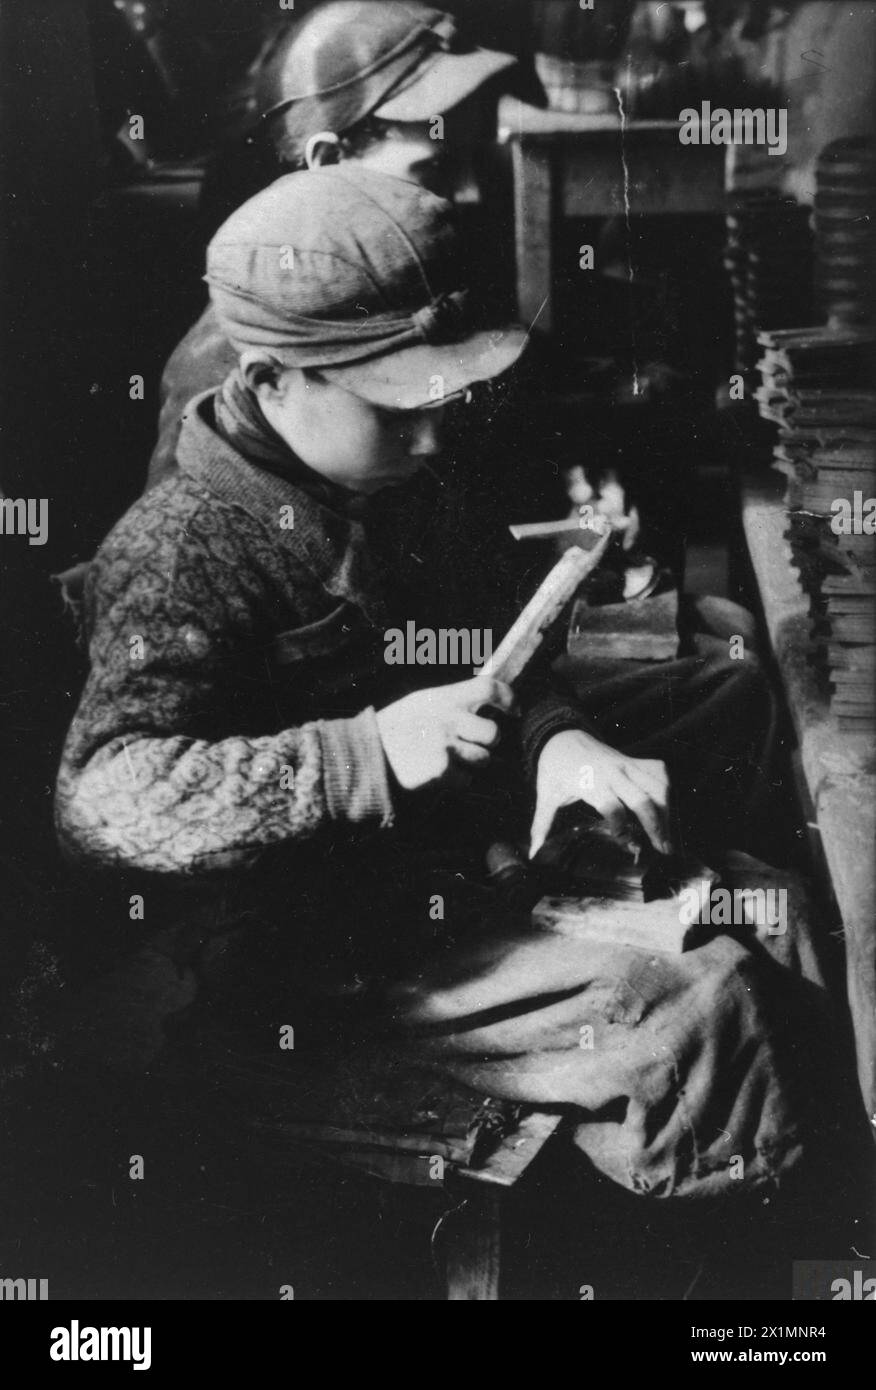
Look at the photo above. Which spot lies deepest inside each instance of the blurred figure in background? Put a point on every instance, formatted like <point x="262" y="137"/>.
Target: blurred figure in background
<point x="389" y="85"/>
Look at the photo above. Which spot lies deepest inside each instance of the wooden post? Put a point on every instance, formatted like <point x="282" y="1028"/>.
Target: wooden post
<point x="534" y="230"/>
<point x="473" y="1245"/>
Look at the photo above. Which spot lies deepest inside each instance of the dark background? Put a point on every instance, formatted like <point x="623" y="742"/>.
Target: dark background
<point x="101" y="266"/>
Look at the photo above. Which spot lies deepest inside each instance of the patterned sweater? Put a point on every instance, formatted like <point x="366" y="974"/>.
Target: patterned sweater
<point x="236" y="637"/>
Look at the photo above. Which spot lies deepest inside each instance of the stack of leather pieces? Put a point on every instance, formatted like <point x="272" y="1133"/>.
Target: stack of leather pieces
<point x="819" y="387"/>
<point x="769" y="258"/>
<point x="845" y="229"/>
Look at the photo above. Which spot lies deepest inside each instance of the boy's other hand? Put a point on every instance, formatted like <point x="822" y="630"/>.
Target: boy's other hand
<point x="575" y="766"/>
<point x="424" y="733"/>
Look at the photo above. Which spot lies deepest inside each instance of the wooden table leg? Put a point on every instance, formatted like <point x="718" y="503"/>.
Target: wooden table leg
<point x="473" y="1245"/>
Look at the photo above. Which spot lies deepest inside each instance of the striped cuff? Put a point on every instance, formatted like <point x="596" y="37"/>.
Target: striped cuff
<point x="355" y="773"/>
<point x="551" y="716"/>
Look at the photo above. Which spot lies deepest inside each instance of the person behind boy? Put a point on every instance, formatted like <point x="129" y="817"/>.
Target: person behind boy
<point x="387" y="84"/>
<point x="280" y="801"/>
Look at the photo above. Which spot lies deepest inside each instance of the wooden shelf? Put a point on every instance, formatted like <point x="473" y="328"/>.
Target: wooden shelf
<point x="516" y="119"/>
<point x="580" y="166"/>
<point x="839" y="768"/>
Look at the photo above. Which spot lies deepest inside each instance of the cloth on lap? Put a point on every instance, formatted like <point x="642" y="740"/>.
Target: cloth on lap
<point x="696" y="1060"/>
<point x="696" y="1076"/>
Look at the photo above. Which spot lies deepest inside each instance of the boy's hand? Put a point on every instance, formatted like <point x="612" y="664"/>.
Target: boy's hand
<point x="424" y="732"/>
<point x="575" y="766"/>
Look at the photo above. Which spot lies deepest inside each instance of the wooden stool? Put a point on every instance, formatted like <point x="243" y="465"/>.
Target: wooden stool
<point x="476" y="1184"/>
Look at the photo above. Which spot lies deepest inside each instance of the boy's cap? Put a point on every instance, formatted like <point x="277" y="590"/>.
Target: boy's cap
<point x="353" y="58"/>
<point x="354" y="273"/>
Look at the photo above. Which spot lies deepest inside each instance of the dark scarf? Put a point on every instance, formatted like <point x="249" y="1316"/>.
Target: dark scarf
<point x="241" y="424"/>
<point x="393" y="519"/>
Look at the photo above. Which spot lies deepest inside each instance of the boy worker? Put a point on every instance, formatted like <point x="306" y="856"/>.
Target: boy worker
<point x="247" y="758"/>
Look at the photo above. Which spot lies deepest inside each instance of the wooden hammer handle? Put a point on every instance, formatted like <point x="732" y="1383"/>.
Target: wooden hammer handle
<point x="525" y="636"/>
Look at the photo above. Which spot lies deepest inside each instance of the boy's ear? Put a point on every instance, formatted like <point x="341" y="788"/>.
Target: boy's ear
<point x="259" y="369"/>
<point x="322" y="148"/>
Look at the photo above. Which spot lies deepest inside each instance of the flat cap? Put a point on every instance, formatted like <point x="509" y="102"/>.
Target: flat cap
<point x="355" y="273"/>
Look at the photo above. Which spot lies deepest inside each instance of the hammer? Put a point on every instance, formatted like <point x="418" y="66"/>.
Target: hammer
<point x="525" y="636"/>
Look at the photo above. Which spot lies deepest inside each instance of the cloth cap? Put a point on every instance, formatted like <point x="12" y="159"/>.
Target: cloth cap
<point x="355" y="273"/>
<point x="353" y="58"/>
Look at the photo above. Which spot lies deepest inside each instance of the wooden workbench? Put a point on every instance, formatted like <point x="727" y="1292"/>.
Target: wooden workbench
<point x="839" y="768"/>
<point x="575" y="166"/>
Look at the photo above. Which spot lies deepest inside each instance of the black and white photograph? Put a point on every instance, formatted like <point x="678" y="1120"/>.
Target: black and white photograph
<point x="438" y="682"/>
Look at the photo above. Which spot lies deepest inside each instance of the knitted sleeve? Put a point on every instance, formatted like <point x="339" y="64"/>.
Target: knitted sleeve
<point x="178" y="599"/>
<point x="548" y="708"/>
